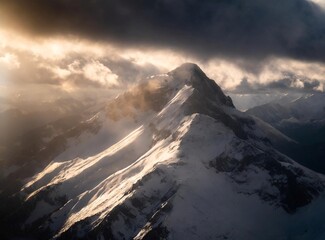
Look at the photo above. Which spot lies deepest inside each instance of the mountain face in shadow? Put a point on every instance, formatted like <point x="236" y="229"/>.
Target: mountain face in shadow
<point x="301" y="119"/>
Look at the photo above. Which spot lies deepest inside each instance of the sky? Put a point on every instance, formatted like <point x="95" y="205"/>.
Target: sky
<point x="245" y="46"/>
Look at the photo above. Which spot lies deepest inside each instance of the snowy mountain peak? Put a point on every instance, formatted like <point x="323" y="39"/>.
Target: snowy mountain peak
<point x="155" y="92"/>
<point x="191" y="74"/>
<point x="172" y="150"/>
<point x="187" y="69"/>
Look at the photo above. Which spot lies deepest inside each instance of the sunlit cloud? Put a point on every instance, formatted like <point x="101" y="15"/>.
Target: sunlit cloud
<point x="96" y="71"/>
<point x="60" y="72"/>
<point x="55" y="48"/>
<point x="68" y="87"/>
<point x="10" y="61"/>
<point x="76" y="63"/>
<point x="319" y="2"/>
<point x="163" y="58"/>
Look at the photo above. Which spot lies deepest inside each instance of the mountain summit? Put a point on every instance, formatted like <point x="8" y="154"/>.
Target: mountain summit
<point x="191" y="74"/>
<point x="172" y="158"/>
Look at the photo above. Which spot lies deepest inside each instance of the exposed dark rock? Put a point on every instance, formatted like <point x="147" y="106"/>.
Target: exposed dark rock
<point x="157" y="233"/>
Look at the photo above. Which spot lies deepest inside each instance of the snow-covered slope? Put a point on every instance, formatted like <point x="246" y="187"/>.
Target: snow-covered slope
<point x="185" y="164"/>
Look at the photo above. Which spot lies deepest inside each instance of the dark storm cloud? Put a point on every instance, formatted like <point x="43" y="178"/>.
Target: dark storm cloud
<point x="230" y="28"/>
<point x="290" y="83"/>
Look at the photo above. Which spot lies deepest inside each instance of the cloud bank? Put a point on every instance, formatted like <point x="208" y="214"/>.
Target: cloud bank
<point x="290" y="83"/>
<point x="250" y="29"/>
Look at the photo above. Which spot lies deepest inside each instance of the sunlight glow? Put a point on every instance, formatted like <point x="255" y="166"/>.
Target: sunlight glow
<point x="10" y="61"/>
<point x="53" y="48"/>
<point x="319" y="2"/>
<point x="65" y="57"/>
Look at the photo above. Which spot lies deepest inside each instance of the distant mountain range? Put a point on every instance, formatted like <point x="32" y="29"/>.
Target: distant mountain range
<point x="302" y="119"/>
